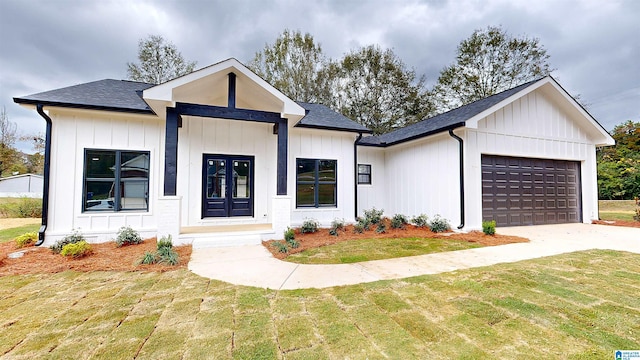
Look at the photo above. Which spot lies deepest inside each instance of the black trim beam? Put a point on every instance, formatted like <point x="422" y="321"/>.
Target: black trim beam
<point x="283" y="135"/>
<point x="171" y="152"/>
<point x="221" y="112"/>
<point x="231" y="95"/>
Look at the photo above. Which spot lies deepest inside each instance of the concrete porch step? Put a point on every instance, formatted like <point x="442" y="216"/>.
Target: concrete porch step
<point x="221" y="239"/>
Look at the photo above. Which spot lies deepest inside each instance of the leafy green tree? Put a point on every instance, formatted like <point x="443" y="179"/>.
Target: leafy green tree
<point x="488" y="62"/>
<point x="295" y="65"/>
<point x="159" y="61"/>
<point x="376" y="89"/>
<point x="9" y="156"/>
<point x="619" y="165"/>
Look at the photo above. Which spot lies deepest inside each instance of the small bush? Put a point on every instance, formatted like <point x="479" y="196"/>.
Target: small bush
<point x="26" y="239"/>
<point x="76" y="250"/>
<point x="399" y="221"/>
<point x="148" y="258"/>
<point x="336" y="226"/>
<point x="358" y="228"/>
<point x="280" y="246"/>
<point x="420" y="221"/>
<point x="438" y="224"/>
<point x="23" y="208"/>
<point x="289" y="234"/>
<point x="309" y="226"/>
<point x="164" y="242"/>
<point x="127" y="236"/>
<point x="73" y="238"/>
<point x="364" y="223"/>
<point x="166" y="255"/>
<point x="381" y="229"/>
<point x="489" y="227"/>
<point x="293" y="243"/>
<point x="373" y="216"/>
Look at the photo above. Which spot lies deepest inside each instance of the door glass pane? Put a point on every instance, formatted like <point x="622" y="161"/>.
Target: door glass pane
<point x="327" y="194"/>
<point x="327" y="170"/>
<point x="306" y="169"/>
<point x="241" y="179"/>
<point x="305" y="195"/>
<point x="216" y="178"/>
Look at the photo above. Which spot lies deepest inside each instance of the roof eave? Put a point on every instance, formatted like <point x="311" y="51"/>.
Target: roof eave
<point x="22" y="101"/>
<point x="417" y="136"/>
<point x="334" y="128"/>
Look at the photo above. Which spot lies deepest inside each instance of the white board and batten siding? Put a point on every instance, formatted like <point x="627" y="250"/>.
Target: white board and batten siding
<point x="200" y="136"/>
<point x="533" y="127"/>
<point x="420" y="177"/>
<point x="73" y="132"/>
<point x="326" y="145"/>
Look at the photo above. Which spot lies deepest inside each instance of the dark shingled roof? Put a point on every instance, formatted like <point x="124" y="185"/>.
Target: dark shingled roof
<point x="449" y="120"/>
<point x="108" y="94"/>
<point x="321" y="117"/>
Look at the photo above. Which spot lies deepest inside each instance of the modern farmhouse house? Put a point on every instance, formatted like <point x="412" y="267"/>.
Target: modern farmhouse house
<point x="220" y="155"/>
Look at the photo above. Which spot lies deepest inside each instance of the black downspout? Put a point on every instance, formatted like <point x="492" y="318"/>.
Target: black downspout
<point x="461" y="177"/>
<point x="47" y="165"/>
<point x="355" y="168"/>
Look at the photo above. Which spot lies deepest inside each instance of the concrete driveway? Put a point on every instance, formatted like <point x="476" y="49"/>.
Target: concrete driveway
<point x="254" y="266"/>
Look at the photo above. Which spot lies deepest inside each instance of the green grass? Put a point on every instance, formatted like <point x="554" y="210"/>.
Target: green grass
<point x="10" y="234"/>
<point x="375" y="249"/>
<point x="617" y="209"/>
<point x="582" y="305"/>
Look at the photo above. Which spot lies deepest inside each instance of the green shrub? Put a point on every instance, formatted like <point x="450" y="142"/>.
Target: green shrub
<point x="381" y="229"/>
<point x="364" y="223"/>
<point x="293" y="243"/>
<point x="373" y="216"/>
<point x="127" y="236"/>
<point x="336" y="226"/>
<point x="289" y="234"/>
<point x="26" y="239"/>
<point x="281" y="246"/>
<point x="309" y="226"/>
<point x="358" y="228"/>
<point x="148" y="258"/>
<point x="398" y="221"/>
<point x="76" y="250"/>
<point x="73" y="238"/>
<point x="420" y="221"/>
<point x="22" y="208"/>
<point x="489" y="227"/>
<point x="164" y="242"/>
<point x="438" y="224"/>
<point x="166" y="255"/>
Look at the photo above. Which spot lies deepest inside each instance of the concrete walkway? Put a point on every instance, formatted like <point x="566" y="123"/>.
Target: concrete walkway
<point x="253" y="265"/>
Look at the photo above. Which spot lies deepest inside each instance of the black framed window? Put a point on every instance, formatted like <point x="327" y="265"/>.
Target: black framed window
<point x="115" y="180"/>
<point x="364" y="174"/>
<point x="316" y="183"/>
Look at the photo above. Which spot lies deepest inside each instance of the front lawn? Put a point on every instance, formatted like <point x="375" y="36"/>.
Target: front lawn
<point x="376" y="249"/>
<point x="612" y="210"/>
<point x="13" y="232"/>
<point x="574" y="306"/>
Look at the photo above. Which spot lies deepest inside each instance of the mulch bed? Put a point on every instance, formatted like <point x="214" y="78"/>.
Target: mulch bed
<point x="105" y="257"/>
<point x="323" y="238"/>
<point x="617" y="223"/>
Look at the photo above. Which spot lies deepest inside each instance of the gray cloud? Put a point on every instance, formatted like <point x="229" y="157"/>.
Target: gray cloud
<point x="50" y="44"/>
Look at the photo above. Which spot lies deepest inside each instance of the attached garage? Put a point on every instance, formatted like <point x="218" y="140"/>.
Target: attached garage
<point x="526" y="191"/>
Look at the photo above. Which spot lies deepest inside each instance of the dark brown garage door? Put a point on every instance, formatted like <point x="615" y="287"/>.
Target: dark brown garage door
<point x="524" y="191"/>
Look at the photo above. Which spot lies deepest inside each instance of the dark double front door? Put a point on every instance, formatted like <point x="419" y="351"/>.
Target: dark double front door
<point x="227" y="186"/>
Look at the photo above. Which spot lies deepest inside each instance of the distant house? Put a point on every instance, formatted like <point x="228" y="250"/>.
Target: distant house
<point x="220" y="149"/>
<point x="25" y="185"/>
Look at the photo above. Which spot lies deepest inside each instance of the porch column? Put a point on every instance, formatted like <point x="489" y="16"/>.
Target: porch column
<point x="171" y="152"/>
<point x="283" y="134"/>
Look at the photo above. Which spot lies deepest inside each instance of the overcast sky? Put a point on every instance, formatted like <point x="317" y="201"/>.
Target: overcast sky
<point x="49" y="44"/>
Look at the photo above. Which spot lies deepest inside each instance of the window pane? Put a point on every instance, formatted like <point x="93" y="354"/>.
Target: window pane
<point x="99" y="195"/>
<point x="305" y="169"/>
<point x="364" y="179"/>
<point x="134" y="195"/>
<point x="241" y="176"/>
<point x="327" y="170"/>
<point x="134" y="165"/>
<point x="305" y="195"/>
<point x="216" y="187"/>
<point x="100" y="164"/>
<point x="364" y="169"/>
<point x="327" y="194"/>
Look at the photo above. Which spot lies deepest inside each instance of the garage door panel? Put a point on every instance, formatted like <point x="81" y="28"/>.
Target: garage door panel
<point x="526" y="191"/>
